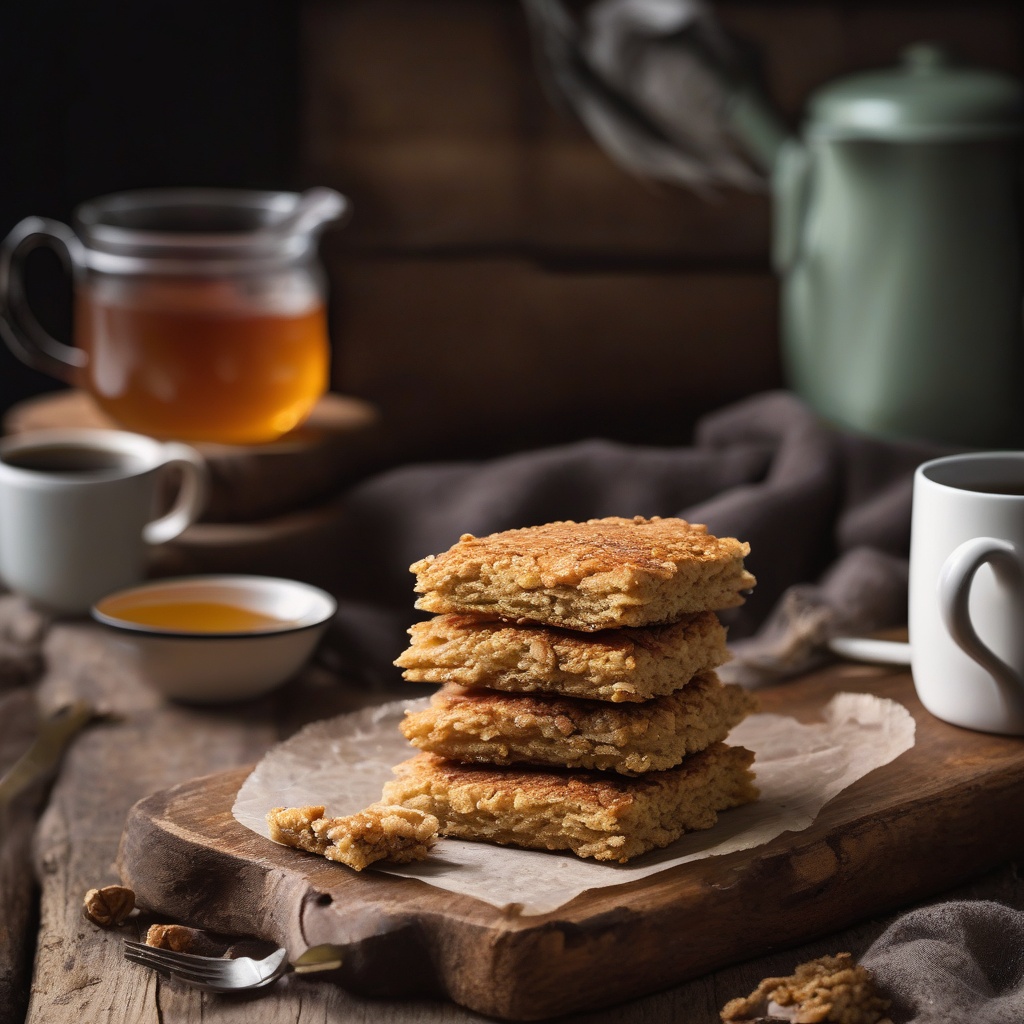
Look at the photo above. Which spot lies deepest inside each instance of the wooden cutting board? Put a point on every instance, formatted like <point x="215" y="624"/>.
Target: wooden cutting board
<point x="942" y="812"/>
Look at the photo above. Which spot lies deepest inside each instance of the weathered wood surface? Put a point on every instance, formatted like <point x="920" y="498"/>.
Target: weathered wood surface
<point x="78" y="972"/>
<point x="18" y="720"/>
<point x="868" y="851"/>
<point x="21" y="633"/>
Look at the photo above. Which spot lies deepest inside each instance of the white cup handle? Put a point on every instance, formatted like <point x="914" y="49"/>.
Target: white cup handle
<point x="191" y="494"/>
<point x="955" y="581"/>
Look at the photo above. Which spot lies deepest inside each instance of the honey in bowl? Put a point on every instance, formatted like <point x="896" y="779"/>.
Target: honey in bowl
<point x="216" y="637"/>
<point x="193" y="616"/>
<point x="201" y="360"/>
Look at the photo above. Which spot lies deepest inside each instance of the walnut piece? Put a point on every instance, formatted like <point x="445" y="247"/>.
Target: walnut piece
<point x="110" y="906"/>
<point x="832" y="989"/>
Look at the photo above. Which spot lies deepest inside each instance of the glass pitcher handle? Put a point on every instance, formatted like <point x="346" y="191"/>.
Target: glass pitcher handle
<point x="20" y="329"/>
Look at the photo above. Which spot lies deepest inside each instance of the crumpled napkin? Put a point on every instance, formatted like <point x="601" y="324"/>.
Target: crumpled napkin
<point x="650" y="80"/>
<point x="960" y="962"/>
<point x="22" y="631"/>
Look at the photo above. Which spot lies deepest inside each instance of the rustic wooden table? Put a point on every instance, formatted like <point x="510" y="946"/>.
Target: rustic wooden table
<point x="56" y="966"/>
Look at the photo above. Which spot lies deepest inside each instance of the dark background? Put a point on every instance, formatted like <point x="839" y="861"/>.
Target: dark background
<point x="104" y="96"/>
<point x="502" y="284"/>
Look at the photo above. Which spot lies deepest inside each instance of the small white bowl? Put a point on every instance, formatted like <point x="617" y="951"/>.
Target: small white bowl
<point x="253" y="633"/>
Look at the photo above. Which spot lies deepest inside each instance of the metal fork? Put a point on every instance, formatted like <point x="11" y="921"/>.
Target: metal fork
<point x="217" y="974"/>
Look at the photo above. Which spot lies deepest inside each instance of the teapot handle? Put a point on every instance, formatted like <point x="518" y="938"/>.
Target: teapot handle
<point x="20" y="329"/>
<point x="791" y="180"/>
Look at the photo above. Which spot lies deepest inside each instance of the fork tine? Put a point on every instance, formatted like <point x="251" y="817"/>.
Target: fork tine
<point x="130" y="954"/>
<point x="184" y="974"/>
<point x="136" y="959"/>
<point x="146" y="950"/>
<point x="205" y="966"/>
<point x="178" y="975"/>
<point x="188" y="973"/>
<point x="216" y="974"/>
<point x="143" y="949"/>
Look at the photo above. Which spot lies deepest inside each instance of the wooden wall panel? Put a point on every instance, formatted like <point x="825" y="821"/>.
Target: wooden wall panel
<point x="806" y="45"/>
<point x="431" y="115"/>
<point x="480" y="355"/>
<point x="503" y="282"/>
<point x="554" y="199"/>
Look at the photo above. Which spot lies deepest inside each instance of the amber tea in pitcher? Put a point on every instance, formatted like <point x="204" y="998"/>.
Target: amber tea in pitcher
<point x="199" y="314"/>
<point x="195" y="361"/>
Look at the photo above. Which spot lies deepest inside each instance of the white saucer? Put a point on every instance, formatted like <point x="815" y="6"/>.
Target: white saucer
<point x="858" y="648"/>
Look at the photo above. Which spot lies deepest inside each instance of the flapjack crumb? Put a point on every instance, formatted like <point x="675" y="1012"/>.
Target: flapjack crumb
<point x="379" y="832"/>
<point x="832" y="989"/>
<point x="182" y="939"/>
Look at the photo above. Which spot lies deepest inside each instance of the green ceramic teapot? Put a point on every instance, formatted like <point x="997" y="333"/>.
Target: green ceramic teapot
<point x="898" y="223"/>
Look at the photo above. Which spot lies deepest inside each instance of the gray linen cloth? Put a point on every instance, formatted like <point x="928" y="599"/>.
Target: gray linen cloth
<point x="827" y="516"/>
<point x="22" y="632"/>
<point x="953" y="963"/>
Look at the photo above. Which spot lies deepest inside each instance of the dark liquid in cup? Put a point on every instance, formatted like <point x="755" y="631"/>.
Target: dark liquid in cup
<point x="66" y="458"/>
<point x="996" y="487"/>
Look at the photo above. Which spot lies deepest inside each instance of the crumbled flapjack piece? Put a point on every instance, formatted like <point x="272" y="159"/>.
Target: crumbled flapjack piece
<point x="182" y="939"/>
<point x="380" y="832"/>
<point x="832" y="989"/>
<point x="293" y="826"/>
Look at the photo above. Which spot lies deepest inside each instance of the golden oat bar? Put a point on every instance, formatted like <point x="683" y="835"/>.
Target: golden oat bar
<point x="596" y="815"/>
<point x="601" y="574"/>
<point x="630" y="664"/>
<point x="483" y="726"/>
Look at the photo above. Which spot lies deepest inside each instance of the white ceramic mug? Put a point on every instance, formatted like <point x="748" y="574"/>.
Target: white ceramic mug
<point x="966" y="611"/>
<point x="78" y="511"/>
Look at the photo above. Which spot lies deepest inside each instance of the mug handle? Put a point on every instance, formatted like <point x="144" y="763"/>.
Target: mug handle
<point x="955" y="579"/>
<point x="191" y="495"/>
<point x="19" y="327"/>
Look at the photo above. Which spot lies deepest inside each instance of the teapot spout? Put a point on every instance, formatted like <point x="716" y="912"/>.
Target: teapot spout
<point x="757" y="126"/>
<point x="315" y="209"/>
<point x="783" y="158"/>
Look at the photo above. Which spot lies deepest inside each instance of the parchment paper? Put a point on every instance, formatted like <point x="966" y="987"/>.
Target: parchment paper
<point x="344" y="762"/>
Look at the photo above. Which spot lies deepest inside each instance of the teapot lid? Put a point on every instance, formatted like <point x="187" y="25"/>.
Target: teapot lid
<point x="928" y="97"/>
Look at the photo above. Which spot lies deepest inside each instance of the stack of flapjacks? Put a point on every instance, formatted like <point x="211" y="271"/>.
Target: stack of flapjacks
<point x="579" y="707"/>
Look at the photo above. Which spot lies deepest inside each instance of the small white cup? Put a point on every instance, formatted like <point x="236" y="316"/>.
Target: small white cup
<point x="78" y="511"/>
<point x="966" y="607"/>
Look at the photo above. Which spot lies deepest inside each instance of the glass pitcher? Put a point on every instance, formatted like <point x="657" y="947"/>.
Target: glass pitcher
<point x="199" y="314"/>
